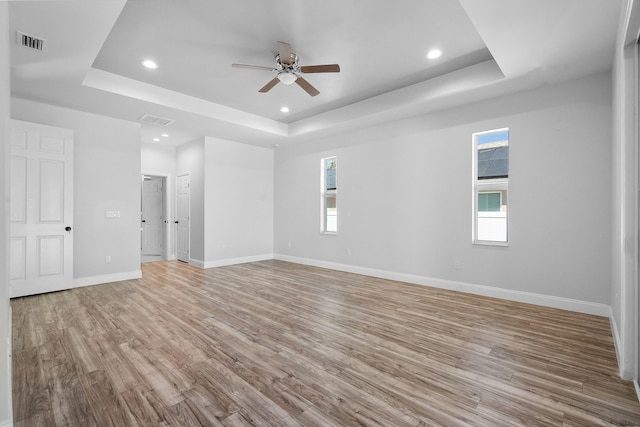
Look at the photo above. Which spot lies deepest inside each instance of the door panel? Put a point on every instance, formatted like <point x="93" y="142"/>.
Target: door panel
<point x="51" y="191"/>
<point x="18" y="194"/>
<point x="50" y="255"/>
<point x="18" y="251"/>
<point x="41" y="207"/>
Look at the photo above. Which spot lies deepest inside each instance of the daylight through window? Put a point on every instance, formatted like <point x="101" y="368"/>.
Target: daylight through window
<point x="329" y="195"/>
<point x="490" y="186"/>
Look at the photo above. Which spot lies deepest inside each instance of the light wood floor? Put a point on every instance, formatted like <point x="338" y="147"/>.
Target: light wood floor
<point x="273" y="343"/>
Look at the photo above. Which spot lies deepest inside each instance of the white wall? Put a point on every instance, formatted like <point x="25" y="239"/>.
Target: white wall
<point x="5" y="332"/>
<point x="231" y="201"/>
<point x="404" y="196"/>
<point x="190" y="158"/>
<point x="160" y="160"/>
<point x="106" y="178"/>
<point x="238" y="202"/>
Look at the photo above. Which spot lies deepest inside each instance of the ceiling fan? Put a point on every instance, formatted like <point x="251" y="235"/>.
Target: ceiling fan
<point x="289" y="71"/>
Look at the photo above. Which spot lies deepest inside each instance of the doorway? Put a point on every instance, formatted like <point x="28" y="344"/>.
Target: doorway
<point x="153" y="219"/>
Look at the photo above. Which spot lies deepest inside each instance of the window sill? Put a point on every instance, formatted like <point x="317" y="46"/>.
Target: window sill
<point x="329" y="233"/>
<point x="490" y="243"/>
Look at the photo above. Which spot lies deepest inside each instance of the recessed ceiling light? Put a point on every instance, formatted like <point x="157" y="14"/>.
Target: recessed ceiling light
<point x="434" y="54"/>
<point x="156" y="139"/>
<point x="285" y="109"/>
<point x="150" y="64"/>
<point x="165" y="135"/>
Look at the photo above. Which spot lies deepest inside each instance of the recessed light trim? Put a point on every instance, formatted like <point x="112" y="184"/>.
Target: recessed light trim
<point x="156" y="139"/>
<point x="150" y="64"/>
<point x="284" y="109"/>
<point x="434" y="54"/>
<point x="165" y="135"/>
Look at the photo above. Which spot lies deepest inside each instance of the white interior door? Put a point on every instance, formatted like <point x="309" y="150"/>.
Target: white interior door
<point x="41" y="209"/>
<point x="182" y="220"/>
<point x="152" y="215"/>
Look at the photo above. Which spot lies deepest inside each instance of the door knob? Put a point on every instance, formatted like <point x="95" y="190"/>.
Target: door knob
<point x="144" y="220"/>
<point x="67" y="228"/>
<point x="175" y="222"/>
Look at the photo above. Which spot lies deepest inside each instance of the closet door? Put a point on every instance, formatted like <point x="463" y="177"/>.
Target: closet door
<point x="41" y="209"/>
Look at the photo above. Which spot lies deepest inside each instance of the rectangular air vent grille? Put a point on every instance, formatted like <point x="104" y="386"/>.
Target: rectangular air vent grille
<point x="155" y="120"/>
<point x="30" y="42"/>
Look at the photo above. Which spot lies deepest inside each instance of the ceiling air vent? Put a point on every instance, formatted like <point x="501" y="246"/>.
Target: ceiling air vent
<point x="30" y="42"/>
<point x="155" y="120"/>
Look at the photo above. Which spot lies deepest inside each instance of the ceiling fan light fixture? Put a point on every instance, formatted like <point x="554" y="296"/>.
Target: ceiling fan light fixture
<point x="287" y="77"/>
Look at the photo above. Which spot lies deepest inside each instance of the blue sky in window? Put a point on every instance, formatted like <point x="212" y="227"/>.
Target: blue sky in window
<point x="493" y="137"/>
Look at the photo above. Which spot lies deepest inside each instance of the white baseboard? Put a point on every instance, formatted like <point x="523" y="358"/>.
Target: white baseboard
<point x="489" y="291"/>
<point x="9" y="422"/>
<point x="617" y="343"/>
<point x="241" y="260"/>
<point x="196" y="262"/>
<point x="106" y="278"/>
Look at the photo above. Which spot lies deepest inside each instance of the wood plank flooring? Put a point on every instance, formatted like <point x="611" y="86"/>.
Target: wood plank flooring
<point x="279" y="344"/>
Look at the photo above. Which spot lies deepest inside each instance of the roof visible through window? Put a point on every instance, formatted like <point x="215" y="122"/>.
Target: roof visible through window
<point x="493" y="155"/>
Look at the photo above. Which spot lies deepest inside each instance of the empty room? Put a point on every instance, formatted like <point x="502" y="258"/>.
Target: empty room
<point x="336" y="213"/>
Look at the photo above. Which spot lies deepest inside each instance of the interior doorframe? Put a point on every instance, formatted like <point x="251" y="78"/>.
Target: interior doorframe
<point x="636" y="92"/>
<point x="178" y="175"/>
<point x="168" y="212"/>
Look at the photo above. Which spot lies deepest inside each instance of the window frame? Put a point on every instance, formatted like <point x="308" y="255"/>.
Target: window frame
<point x="483" y="186"/>
<point x="326" y="193"/>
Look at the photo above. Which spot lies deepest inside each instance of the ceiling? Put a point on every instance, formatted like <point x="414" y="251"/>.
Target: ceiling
<point x="94" y="49"/>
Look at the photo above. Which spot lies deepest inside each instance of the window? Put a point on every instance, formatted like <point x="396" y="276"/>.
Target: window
<point x="490" y="186"/>
<point x="489" y="202"/>
<point x="329" y="195"/>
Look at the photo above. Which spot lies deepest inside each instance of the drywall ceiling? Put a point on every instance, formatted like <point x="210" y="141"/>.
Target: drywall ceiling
<point x="94" y="51"/>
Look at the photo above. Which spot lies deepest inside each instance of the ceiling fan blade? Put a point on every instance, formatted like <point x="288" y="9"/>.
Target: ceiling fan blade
<point x="266" y="88"/>
<point x="284" y="49"/>
<point x="307" y="86"/>
<point x="253" y="67"/>
<point x="327" y="68"/>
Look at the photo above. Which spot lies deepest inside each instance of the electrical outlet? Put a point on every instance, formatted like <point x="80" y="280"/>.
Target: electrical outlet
<point x="107" y="258"/>
<point x="457" y="265"/>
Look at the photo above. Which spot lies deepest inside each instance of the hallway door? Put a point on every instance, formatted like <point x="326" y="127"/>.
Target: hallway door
<point x="152" y="221"/>
<point x="182" y="220"/>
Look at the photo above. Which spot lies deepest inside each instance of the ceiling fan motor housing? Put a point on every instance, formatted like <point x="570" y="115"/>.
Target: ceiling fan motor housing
<point x="288" y="73"/>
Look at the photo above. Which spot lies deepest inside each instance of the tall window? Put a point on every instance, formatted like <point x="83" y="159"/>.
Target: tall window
<point x="329" y="195"/>
<point x="490" y="186"/>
